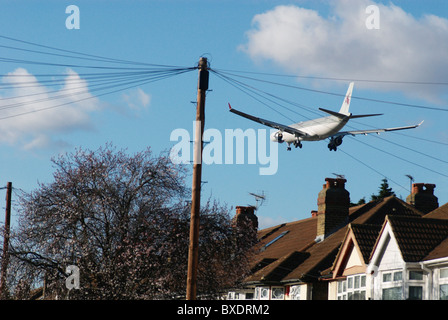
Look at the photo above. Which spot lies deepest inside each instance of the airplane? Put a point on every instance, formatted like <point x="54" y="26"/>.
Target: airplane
<point x="321" y="128"/>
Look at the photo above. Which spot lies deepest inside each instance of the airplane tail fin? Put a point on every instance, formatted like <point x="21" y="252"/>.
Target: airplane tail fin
<point x="346" y="103"/>
<point x="343" y="112"/>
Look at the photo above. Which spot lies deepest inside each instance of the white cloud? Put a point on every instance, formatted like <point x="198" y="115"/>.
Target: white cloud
<point x="32" y="115"/>
<point x="405" y="48"/>
<point x="144" y="98"/>
<point x="137" y="99"/>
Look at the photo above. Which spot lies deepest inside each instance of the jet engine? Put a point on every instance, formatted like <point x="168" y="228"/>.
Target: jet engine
<point x="277" y="136"/>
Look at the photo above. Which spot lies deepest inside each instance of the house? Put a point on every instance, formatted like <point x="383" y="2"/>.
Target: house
<point x="407" y="259"/>
<point x="342" y="252"/>
<point x="349" y="279"/>
<point x="410" y="260"/>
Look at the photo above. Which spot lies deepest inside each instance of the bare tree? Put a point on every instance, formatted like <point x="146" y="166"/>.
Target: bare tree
<point x="123" y="221"/>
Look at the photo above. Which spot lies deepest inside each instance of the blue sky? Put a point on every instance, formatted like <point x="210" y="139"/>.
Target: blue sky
<point x="301" y="42"/>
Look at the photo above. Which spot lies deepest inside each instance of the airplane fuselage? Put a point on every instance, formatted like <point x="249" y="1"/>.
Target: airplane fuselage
<point x="316" y="129"/>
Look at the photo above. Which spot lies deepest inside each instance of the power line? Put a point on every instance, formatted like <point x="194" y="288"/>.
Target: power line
<point x="341" y="95"/>
<point x="252" y="95"/>
<point x="370" y="167"/>
<point x="118" y="77"/>
<point x="63" y="79"/>
<point x="410" y="149"/>
<point x="130" y="85"/>
<point x="420" y="138"/>
<point x="398" y="157"/>
<point x="84" y="56"/>
<point x="104" y="85"/>
<point x="52" y="64"/>
<point x="334" y="78"/>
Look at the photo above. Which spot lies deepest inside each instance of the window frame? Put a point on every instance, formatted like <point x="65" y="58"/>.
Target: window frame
<point x="353" y="286"/>
<point x="282" y="297"/>
<point x="416" y="278"/>
<point x="294" y="292"/>
<point x="259" y="291"/>
<point x="443" y="282"/>
<point x="392" y="280"/>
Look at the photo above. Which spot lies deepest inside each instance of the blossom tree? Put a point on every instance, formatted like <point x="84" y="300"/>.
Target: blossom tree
<point x="123" y="221"/>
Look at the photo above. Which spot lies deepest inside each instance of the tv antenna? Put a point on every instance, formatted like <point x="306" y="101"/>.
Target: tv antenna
<point x="339" y="176"/>
<point x="259" y="199"/>
<point x="411" y="180"/>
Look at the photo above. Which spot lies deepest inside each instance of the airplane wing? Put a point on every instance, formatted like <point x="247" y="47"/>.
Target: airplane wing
<point x="365" y="132"/>
<point x="269" y="123"/>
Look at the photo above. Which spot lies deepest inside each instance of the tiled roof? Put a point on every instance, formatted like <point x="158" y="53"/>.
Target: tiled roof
<point x="322" y="255"/>
<point x="277" y="270"/>
<point x="300" y="234"/>
<point x="378" y="210"/>
<point x="439" y="213"/>
<point x="366" y="235"/>
<point x="417" y="237"/>
<point x="440" y="251"/>
<point x="305" y="259"/>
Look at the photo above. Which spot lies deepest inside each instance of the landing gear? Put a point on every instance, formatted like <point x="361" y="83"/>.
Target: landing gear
<point x="297" y="143"/>
<point x="334" y="143"/>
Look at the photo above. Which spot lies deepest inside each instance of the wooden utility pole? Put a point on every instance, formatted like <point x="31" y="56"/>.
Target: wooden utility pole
<point x="193" y="250"/>
<point x="5" y="256"/>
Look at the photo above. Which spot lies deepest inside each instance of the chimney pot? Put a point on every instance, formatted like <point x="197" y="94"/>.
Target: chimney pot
<point x="422" y="197"/>
<point x="246" y="213"/>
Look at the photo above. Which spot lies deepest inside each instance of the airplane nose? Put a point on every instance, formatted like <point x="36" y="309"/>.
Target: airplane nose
<point x="273" y="136"/>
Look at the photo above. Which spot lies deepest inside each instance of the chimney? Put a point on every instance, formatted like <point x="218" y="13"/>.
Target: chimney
<point x="245" y="215"/>
<point x="333" y="202"/>
<point x="422" y="197"/>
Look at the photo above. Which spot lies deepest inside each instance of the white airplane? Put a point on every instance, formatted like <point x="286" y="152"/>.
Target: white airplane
<point x="321" y="128"/>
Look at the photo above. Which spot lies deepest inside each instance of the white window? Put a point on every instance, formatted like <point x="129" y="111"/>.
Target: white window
<point x="443" y="284"/>
<point x="392" y="276"/>
<point x="415" y="292"/>
<point x="392" y="285"/>
<point x="393" y="293"/>
<point x="416" y="283"/>
<point x="352" y="288"/>
<point x="444" y="273"/>
<point x="416" y="275"/>
<point x="443" y="292"/>
<point x="278" y="293"/>
<point x="262" y="293"/>
<point x="294" y="293"/>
